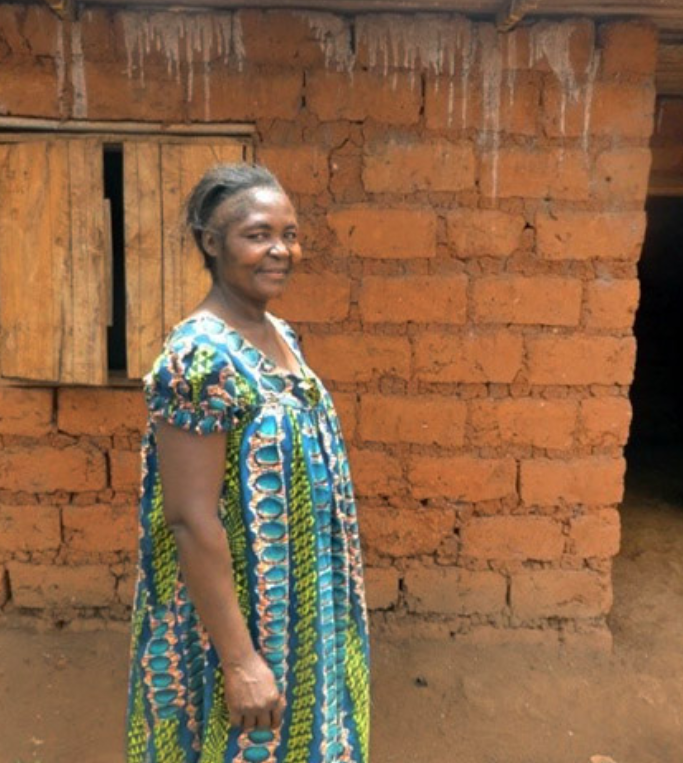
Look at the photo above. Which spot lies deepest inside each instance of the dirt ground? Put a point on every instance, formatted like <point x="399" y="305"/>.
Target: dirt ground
<point x="62" y="694"/>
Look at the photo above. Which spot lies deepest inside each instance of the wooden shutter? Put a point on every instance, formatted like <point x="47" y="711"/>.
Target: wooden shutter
<point x="165" y="274"/>
<point x="53" y="277"/>
<point x="186" y="280"/>
<point x="143" y="246"/>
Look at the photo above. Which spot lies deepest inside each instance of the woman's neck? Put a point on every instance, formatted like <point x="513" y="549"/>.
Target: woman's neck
<point x="234" y="308"/>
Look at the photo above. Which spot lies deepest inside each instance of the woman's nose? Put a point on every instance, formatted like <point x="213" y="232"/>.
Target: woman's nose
<point x="279" y="248"/>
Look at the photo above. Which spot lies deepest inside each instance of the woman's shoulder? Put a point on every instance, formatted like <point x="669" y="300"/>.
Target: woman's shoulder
<point x="199" y="328"/>
<point x="196" y="343"/>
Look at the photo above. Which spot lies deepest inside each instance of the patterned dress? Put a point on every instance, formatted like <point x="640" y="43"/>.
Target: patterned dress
<point x="288" y="511"/>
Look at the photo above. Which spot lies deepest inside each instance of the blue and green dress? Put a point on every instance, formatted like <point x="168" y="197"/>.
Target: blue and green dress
<point x="289" y="515"/>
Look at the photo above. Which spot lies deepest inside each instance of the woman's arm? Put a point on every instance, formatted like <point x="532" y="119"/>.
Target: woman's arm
<point x="192" y="469"/>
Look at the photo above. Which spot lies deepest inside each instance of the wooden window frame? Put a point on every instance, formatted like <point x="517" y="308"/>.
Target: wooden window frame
<point x="164" y="276"/>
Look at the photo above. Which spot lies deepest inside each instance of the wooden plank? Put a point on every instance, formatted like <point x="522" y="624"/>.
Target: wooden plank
<point x="143" y="247"/>
<point x="665" y="184"/>
<point x="34" y="241"/>
<point x="669" y="79"/>
<point x="185" y="279"/>
<point x="84" y="344"/>
<point x="513" y="13"/>
<point x="157" y="129"/>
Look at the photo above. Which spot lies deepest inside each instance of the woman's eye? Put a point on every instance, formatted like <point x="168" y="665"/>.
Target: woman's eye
<point x="291" y="236"/>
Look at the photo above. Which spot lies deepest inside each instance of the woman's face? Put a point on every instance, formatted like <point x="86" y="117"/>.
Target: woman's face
<point x="258" y="244"/>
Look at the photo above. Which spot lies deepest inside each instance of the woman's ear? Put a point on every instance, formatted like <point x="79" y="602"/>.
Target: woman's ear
<point x="210" y="243"/>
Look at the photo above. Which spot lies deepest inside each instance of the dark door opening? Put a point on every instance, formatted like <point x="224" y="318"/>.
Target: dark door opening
<point x="648" y="573"/>
<point x="657" y="392"/>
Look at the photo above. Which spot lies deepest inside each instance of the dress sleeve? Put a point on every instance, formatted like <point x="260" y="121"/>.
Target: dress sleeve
<point x="192" y="386"/>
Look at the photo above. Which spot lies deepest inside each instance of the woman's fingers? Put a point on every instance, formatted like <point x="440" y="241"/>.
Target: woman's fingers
<point x="277" y="713"/>
<point x="249" y="721"/>
<point x="263" y="720"/>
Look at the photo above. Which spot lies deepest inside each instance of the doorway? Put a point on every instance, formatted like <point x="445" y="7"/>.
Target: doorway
<point x="648" y="573"/>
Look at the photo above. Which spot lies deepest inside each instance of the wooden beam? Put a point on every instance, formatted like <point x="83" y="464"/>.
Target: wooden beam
<point x="218" y="129"/>
<point x="513" y="12"/>
<point x="65" y="9"/>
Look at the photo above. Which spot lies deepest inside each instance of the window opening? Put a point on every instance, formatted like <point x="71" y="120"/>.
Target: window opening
<point x="113" y="191"/>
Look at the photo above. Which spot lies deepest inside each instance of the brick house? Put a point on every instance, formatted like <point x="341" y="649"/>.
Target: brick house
<point x="472" y="192"/>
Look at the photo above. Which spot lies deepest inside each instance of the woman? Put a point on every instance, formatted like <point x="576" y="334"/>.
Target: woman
<point x="249" y="627"/>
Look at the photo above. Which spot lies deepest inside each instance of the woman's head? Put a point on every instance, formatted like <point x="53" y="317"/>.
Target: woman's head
<point x="246" y="229"/>
<point x="220" y="183"/>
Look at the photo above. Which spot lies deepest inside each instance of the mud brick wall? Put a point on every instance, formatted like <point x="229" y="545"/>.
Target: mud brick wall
<point x="472" y="209"/>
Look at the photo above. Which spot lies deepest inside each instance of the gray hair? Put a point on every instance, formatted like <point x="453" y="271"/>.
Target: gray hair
<point x="221" y="182"/>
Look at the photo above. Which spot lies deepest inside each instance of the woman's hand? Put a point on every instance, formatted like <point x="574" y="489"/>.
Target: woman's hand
<point x="251" y="694"/>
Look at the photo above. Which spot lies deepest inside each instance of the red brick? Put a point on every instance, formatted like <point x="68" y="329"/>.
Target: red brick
<point x="617" y="110"/>
<point x="449" y="105"/>
<point x="101" y="411"/>
<point x="623" y="174"/>
<point x="312" y="298"/>
<point x="30" y="87"/>
<point x="100" y="528"/>
<point x="125" y="587"/>
<point x="113" y="94"/>
<point x="538" y="300"/>
<point x="574" y="37"/>
<point x="534" y="423"/>
<point x="385" y="233"/>
<point x="596" y="534"/>
<point x="453" y="591"/>
<point x="452" y="104"/>
<point x="284" y="38"/>
<point x="375" y="473"/>
<point x="490" y="636"/>
<point x="589" y="641"/>
<point x="29" y="528"/>
<point x="39" y="586"/>
<point x="628" y="47"/>
<point x="125" y="469"/>
<point x="623" y="110"/>
<point x="393" y="532"/>
<point x="381" y="584"/>
<point x="425" y="420"/>
<point x="364" y="95"/>
<point x="422" y="299"/>
<point x="524" y="538"/>
<point x="25" y="411"/>
<point x="402" y="167"/>
<point x="494" y="356"/>
<point x="345" y="405"/>
<point x="560" y="593"/>
<point x="40" y="30"/>
<point x="587" y="235"/>
<point x="484" y="232"/>
<point x="605" y="421"/>
<point x="536" y="174"/>
<point x="591" y="481"/>
<point x="40" y="469"/>
<point x="358" y="357"/>
<point x="300" y="169"/>
<point x="462" y="478"/>
<point x="272" y="94"/>
<point x="612" y="304"/>
<point x="580" y="359"/>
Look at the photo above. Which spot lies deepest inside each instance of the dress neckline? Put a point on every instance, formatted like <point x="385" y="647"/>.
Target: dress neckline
<point x="274" y="368"/>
